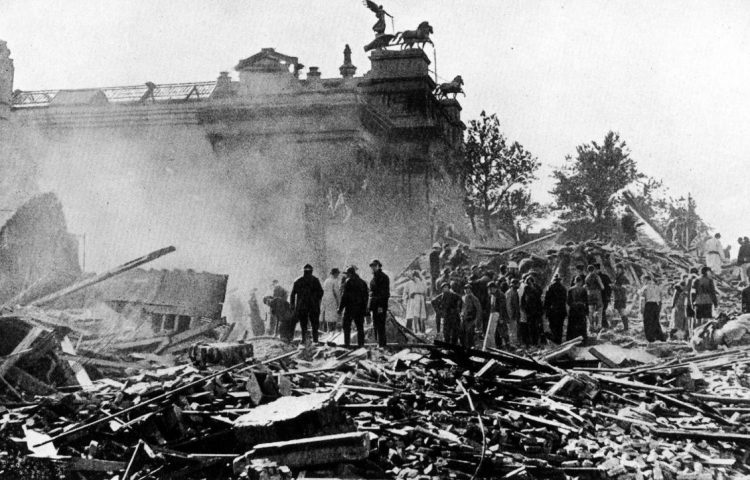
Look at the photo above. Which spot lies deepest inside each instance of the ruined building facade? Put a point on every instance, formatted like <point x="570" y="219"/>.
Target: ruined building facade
<point x="321" y="170"/>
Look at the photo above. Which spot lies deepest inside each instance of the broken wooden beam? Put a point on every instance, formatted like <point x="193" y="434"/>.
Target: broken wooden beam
<point x="308" y="452"/>
<point x="102" y="276"/>
<point x="717" y="436"/>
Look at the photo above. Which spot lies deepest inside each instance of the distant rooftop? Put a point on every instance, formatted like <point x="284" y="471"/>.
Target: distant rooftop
<point x="146" y="93"/>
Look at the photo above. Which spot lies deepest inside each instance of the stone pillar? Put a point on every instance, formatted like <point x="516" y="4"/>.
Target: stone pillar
<point x="6" y="81"/>
<point x="223" y="87"/>
<point x="313" y="77"/>
<point x="348" y="69"/>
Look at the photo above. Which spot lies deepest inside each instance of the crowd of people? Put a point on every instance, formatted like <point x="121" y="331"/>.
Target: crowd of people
<point x="503" y="308"/>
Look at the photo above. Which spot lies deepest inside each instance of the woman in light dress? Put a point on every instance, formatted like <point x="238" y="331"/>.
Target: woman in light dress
<point x="415" y="292"/>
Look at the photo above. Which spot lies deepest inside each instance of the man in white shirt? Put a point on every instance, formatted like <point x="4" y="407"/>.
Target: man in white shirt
<point x="714" y="254"/>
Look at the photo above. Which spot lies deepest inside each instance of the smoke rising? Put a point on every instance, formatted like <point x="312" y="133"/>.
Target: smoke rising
<point x="133" y="191"/>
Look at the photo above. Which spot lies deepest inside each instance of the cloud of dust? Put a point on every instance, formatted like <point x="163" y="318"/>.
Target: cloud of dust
<point x="134" y="191"/>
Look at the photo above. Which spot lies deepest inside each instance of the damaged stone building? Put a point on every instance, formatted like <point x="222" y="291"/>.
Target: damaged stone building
<point x="325" y="170"/>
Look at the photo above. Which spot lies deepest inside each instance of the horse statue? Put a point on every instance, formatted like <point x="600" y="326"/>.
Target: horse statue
<point x="453" y="87"/>
<point x="420" y="36"/>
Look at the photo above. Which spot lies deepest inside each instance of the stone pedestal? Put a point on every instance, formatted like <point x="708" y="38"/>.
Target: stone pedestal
<point x="409" y="63"/>
<point x="452" y="108"/>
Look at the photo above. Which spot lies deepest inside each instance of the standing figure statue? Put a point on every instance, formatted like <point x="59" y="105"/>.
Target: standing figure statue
<point x="379" y="27"/>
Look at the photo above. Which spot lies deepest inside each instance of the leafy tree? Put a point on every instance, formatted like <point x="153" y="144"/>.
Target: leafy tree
<point x="586" y="186"/>
<point x="496" y="174"/>
<point x="518" y="212"/>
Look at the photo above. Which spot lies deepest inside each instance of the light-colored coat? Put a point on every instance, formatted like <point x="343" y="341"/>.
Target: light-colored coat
<point x="329" y="305"/>
<point x="415" y="292"/>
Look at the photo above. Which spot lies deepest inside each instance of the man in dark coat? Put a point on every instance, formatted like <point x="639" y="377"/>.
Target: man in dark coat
<point x="606" y="293"/>
<point x="354" y="306"/>
<point x="531" y="304"/>
<point x="448" y="310"/>
<point x="479" y="289"/>
<point x="621" y="295"/>
<point x="555" y="306"/>
<point x="497" y="305"/>
<point x="471" y="314"/>
<point x="306" y="295"/>
<point x="380" y="292"/>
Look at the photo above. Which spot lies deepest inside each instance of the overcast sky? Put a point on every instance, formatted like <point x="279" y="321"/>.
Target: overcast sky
<point x="672" y="77"/>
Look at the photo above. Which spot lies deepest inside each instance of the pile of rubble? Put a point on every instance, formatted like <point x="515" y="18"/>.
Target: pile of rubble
<point x="427" y="411"/>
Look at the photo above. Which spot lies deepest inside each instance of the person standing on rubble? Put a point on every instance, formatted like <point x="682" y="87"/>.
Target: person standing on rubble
<point x="577" y="310"/>
<point x="380" y="293"/>
<point x="679" y="316"/>
<point x="714" y="254"/>
<point x="705" y="297"/>
<point x="257" y="325"/>
<point x="594" y="288"/>
<point x="415" y="293"/>
<point x="448" y="307"/>
<point x="743" y="258"/>
<point x="331" y="299"/>
<point x="354" y="306"/>
<point x="499" y="314"/>
<point x="306" y="295"/>
<point x="651" y="310"/>
<point x="277" y="290"/>
<point x="284" y="315"/>
<point x="531" y="305"/>
<point x="690" y="299"/>
<point x="513" y="304"/>
<point x="555" y="306"/>
<point x="606" y="292"/>
<point x="471" y="315"/>
<point x="620" y="292"/>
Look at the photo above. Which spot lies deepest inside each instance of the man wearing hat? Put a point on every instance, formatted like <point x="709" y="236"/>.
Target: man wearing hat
<point x="354" y="306"/>
<point x="448" y="311"/>
<point x="471" y="315"/>
<point x="434" y="265"/>
<point x="380" y="292"/>
<point x="555" y="307"/>
<point x="306" y="295"/>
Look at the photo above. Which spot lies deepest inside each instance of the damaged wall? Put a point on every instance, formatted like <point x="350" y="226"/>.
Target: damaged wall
<point x="248" y="186"/>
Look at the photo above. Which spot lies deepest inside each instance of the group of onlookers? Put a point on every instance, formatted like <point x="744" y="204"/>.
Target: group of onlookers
<point x="502" y="308"/>
<point x="346" y="299"/>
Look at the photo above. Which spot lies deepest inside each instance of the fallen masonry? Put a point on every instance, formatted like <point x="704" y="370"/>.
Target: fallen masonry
<point x="422" y="411"/>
